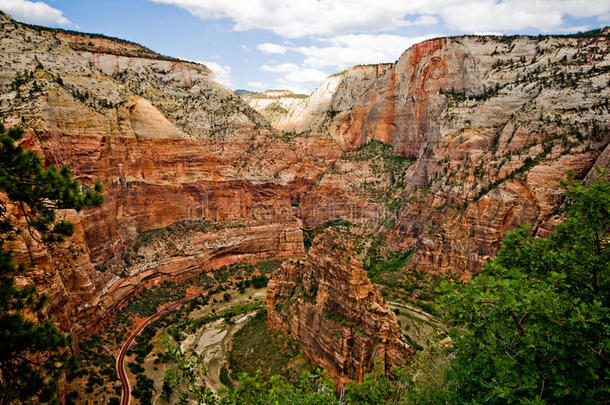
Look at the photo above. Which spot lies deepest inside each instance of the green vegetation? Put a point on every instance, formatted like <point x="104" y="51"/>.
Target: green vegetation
<point x="244" y="271"/>
<point x="454" y="97"/>
<point x="256" y="348"/>
<point x="335" y="317"/>
<point x="376" y="263"/>
<point x="534" y="326"/>
<point x="311" y="388"/>
<point x="383" y="164"/>
<point x="142" y="346"/>
<point x="377" y="150"/>
<point x="390" y="271"/>
<point x="34" y="354"/>
<point x="143" y="390"/>
<point x="527" y="165"/>
<point x="310" y="234"/>
<point x="149" y="301"/>
<point x="224" y="377"/>
<point x="192" y="325"/>
<point x="95" y="351"/>
<point x="164" y="236"/>
<point x="189" y="372"/>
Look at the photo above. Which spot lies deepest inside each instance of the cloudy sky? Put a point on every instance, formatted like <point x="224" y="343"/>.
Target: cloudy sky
<point x="294" y="44"/>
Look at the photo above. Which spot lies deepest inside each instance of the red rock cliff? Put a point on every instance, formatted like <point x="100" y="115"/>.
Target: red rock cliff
<point x="494" y="124"/>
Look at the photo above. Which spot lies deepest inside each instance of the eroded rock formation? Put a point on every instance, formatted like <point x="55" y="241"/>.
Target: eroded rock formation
<point x="328" y="303"/>
<point x="494" y="124"/>
<point x="125" y="124"/>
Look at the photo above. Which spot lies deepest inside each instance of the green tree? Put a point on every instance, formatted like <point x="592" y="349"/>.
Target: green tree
<point x="188" y="372"/>
<point x="312" y="389"/>
<point x="375" y="388"/>
<point x="33" y="354"/>
<point x="534" y="326"/>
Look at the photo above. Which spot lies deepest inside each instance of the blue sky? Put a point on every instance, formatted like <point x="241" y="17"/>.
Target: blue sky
<point x="294" y="44"/>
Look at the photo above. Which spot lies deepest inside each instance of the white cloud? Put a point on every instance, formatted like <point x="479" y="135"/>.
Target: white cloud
<point x="33" y="12"/>
<point x="256" y="85"/>
<point x="282" y="68"/>
<point x="245" y="48"/>
<point x="222" y="73"/>
<point x="272" y="48"/>
<point x="306" y="76"/>
<point x="348" y="50"/>
<point x="295" y="19"/>
<point x="503" y="16"/>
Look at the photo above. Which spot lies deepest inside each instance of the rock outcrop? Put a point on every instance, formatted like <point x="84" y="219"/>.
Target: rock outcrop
<point x="313" y="114"/>
<point x="274" y="104"/>
<point x="328" y="303"/>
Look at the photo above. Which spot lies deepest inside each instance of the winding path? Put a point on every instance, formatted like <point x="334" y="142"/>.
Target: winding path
<point x="120" y="360"/>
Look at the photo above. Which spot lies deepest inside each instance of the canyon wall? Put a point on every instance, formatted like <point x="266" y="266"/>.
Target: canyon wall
<point x="494" y="124"/>
<point x="117" y="113"/>
<point x="491" y="125"/>
<point x="327" y="302"/>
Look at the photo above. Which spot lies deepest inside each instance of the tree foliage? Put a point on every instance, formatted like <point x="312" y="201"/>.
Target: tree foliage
<point x="534" y="326"/>
<point x="312" y="389"/>
<point x="33" y="354"/>
<point x="190" y="373"/>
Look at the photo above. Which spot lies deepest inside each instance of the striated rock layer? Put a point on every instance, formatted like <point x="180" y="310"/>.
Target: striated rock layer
<point x="328" y="303"/>
<point x="494" y="124"/>
<point x="156" y="167"/>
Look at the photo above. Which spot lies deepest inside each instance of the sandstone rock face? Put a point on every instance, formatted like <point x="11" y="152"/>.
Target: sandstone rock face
<point x="494" y="124"/>
<point x="274" y="104"/>
<point x="314" y="113"/>
<point x="187" y="93"/>
<point x="157" y="168"/>
<point x="328" y="303"/>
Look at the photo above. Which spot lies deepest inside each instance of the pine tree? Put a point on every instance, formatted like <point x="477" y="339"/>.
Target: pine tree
<point x="33" y="354"/>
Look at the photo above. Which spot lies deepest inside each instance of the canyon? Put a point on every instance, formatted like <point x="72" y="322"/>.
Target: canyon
<point x="493" y="123"/>
<point x="439" y="154"/>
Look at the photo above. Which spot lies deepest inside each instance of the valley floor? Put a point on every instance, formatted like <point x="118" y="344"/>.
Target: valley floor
<point x="220" y="332"/>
